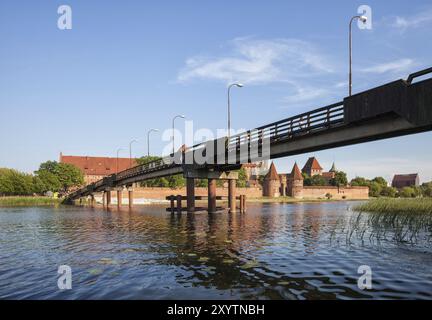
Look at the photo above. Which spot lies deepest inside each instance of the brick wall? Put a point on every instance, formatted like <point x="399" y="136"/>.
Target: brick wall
<point x="162" y="193"/>
<point x="315" y="192"/>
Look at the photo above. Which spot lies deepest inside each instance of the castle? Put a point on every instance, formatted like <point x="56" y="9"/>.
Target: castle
<point x="291" y="185"/>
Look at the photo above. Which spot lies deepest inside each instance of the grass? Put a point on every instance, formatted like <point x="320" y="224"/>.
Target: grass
<point x="391" y="205"/>
<point x="28" y="201"/>
<point x="403" y="220"/>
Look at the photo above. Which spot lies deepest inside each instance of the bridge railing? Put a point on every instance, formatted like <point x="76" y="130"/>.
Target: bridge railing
<point x="305" y="123"/>
<point x="144" y="168"/>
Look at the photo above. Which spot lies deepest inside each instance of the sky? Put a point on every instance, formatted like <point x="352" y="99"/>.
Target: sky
<point x="128" y="66"/>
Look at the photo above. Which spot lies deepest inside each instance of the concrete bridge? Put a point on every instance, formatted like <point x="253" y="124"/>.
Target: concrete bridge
<point x="394" y="109"/>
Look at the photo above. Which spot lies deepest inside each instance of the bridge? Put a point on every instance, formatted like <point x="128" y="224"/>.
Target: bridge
<point x="394" y="109"/>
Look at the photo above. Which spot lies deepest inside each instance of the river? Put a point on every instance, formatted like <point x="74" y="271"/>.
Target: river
<point x="274" y="251"/>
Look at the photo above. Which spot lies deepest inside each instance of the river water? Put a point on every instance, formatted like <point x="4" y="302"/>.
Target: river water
<point x="274" y="251"/>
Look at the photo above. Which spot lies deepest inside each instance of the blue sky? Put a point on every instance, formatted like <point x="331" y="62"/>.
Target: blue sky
<point x="127" y="66"/>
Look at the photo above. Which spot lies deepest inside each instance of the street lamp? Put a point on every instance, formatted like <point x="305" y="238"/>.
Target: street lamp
<point x="362" y="19"/>
<point x="118" y="151"/>
<point x="177" y="116"/>
<point x="148" y="140"/>
<point x="239" y="85"/>
<point x="130" y="152"/>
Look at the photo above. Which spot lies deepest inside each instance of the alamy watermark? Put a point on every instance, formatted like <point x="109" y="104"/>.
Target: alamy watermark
<point x="64" y="22"/>
<point x="64" y="282"/>
<point x="364" y="282"/>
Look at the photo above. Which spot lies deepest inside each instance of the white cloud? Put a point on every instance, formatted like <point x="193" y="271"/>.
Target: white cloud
<point x="393" y="66"/>
<point x="413" y="21"/>
<point x="256" y="61"/>
<point x="305" y="94"/>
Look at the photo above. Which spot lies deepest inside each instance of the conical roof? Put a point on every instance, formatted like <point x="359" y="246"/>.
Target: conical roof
<point x="272" y="173"/>
<point x="296" y="173"/>
<point x="333" y="168"/>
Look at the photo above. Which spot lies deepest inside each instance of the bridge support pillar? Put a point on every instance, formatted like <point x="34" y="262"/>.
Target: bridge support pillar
<point x="92" y="200"/>
<point x="119" y="197"/>
<point x="108" y="198"/>
<point x="211" y="195"/>
<point x="131" y="197"/>
<point x="232" y="195"/>
<point x="190" y="193"/>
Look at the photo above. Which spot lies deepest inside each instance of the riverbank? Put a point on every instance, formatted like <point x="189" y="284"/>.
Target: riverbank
<point x="392" y="205"/>
<point x="28" y="201"/>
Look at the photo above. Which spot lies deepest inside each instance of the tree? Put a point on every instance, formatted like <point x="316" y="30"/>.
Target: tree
<point x="360" y="182"/>
<point x="318" y="180"/>
<point x="340" y="179"/>
<point x="60" y="176"/>
<point x="381" y="181"/>
<point x="242" y="178"/>
<point x="407" y="192"/>
<point x="176" y="181"/>
<point x="15" y="183"/>
<point x="426" y="189"/>
<point x="374" y="189"/>
<point x="387" y="191"/>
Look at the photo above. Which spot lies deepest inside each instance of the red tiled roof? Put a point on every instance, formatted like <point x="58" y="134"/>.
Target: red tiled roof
<point x="272" y="173"/>
<point x="296" y="173"/>
<point x="312" y="164"/>
<point x="100" y="166"/>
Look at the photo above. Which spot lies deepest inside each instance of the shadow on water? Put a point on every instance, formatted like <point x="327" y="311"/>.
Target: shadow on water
<point x="274" y="251"/>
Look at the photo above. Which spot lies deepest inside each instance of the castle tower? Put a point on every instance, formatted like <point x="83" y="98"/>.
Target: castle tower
<point x="312" y="167"/>
<point x="271" y="185"/>
<point x="295" y="183"/>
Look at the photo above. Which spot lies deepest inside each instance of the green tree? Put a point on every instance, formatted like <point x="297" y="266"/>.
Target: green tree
<point x="14" y="183"/>
<point x="318" y="180"/>
<point x="176" y="181"/>
<point x="374" y="189"/>
<point x="68" y="175"/>
<point x="360" y="182"/>
<point x="381" y="181"/>
<point x="387" y="191"/>
<point x="426" y="189"/>
<point x="242" y="178"/>
<point x="407" y="192"/>
<point x="340" y="179"/>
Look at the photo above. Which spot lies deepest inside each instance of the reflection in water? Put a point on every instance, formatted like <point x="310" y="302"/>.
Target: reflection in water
<point x="274" y="251"/>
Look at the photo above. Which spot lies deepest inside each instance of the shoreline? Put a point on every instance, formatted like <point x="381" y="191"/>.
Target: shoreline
<point x="27" y="201"/>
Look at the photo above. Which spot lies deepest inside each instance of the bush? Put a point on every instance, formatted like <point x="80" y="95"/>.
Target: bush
<point x="389" y="192"/>
<point x="408" y="192"/>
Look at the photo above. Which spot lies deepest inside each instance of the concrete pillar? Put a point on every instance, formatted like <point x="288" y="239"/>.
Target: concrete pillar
<point x="92" y="200"/>
<point x="108" y="196"/>
<point x="179" y="204"/>
<point x="190" y="192"/>
<point x="104" y="197"/>
<point x="119" y="197"/>
<point x="211" y="195"/>
<point x="232" y="195"/>
<point x="131" y="197"/>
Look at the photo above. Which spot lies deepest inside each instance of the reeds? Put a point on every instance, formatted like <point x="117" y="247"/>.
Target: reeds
<point x="28" y="201"/>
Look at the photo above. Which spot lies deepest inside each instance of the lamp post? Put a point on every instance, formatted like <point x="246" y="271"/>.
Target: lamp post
<point x="148" y="140"/>
<point x="362" y="19"/>
<point x="118" y="151"/>
<point x="239" y="85"/>
<point x="130" y="152"/>
<point x="177" y="116"/>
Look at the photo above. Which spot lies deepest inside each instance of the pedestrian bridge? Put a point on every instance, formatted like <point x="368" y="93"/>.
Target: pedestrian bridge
<point x="394" y="109"/>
